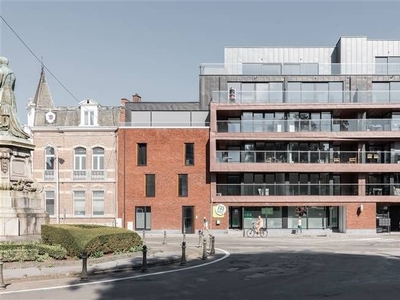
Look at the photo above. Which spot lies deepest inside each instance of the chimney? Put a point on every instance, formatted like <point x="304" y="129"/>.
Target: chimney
<point x="136" y="98"/>
<point x="123" y="101"/>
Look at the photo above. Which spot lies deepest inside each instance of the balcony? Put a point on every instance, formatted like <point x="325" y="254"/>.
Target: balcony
<point x="322" y="96"/>
<point x="312" y="189"/>
<point x="299" y="69"/>
<point x="93" y="175"/>
<point x="309" y="157"/>
<point x="49" y="175"/>
<point x="307" y="125"/>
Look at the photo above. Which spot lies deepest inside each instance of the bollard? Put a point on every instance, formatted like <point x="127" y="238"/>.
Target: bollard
<point x="183" y="259"/>
<point x="212" y="250"/>
<point x="165" y="238"/>
<point x="144" y="263"/>
<point x="144" y="237"/>
<point x="84" y="274"/>
<point x="200" y="238"/>
<point x="204" y="249"/>
<point x="209" y="242"/>
<point x="2" y="285"/>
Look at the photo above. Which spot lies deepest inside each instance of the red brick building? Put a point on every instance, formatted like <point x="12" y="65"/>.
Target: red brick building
<point x="163" y="181"/>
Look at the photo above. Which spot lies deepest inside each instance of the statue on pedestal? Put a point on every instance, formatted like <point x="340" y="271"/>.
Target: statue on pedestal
<point x="22" y="209"/>
<point x="9" y="123"/>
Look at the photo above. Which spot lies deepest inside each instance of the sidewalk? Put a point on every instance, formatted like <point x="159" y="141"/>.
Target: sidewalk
<point x="157" y="254"/>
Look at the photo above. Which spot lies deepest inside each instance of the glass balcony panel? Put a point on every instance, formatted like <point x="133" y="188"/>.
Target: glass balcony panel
<point x="271" y="69"/>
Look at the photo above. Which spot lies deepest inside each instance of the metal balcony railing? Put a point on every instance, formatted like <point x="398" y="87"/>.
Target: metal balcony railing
<point x="328" y="96"/>
<point x="302" y="125"/>
<point x="299" y="69"/>
<point x="307" y="157"/>
<point x="305" y="189"/>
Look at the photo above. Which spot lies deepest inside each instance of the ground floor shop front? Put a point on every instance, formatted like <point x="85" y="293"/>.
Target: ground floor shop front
<point x="358" y="218"/>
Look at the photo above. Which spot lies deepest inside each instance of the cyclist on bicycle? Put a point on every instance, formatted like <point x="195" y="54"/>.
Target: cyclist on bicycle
<point x="259" y="224"/>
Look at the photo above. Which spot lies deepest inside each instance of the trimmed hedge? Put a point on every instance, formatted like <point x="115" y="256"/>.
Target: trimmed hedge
<point x="29" y="251"/>
<point x="92" y="238"/>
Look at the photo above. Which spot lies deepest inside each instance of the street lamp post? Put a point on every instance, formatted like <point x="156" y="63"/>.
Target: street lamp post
<point x="59" y="161"/>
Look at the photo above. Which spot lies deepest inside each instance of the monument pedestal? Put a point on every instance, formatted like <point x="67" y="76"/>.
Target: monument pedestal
<point x="21" y="213"/>
<point x="21" y="207"/>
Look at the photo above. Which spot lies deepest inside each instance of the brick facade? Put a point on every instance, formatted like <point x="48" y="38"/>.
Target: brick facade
<point x="165" y="159"/>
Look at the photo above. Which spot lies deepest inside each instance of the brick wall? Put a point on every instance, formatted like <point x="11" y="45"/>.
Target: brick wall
<point x="361" y="220"/>
<point x="165" y="159"/>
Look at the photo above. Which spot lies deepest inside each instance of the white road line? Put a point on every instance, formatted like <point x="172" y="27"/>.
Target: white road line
<point x="227" y="254"/>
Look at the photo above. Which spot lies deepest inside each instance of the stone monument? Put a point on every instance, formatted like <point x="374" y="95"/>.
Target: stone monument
<point x="21" y="209"/>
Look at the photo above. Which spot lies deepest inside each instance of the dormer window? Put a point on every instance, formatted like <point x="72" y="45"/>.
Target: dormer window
<point x="89" y="113"/>
<point x="88" y="118"/>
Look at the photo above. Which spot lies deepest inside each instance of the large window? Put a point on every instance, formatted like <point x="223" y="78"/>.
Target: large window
<point x="49" y="202"/>
<point x="314" y="92"/>
<point x="385" y="92"/>
<point x="143" y="217"/>
<point x="98" y="158"/>
<point x="189" y="154"/>
<point x="80" y="159"/>
<point x="98" y="203"/>
<point x="79" y="164"/>
<point x="150" y="185"/>
<point x="50" y="158"/>
<point x="79" y="203"/>
<point x="183" y="185"/>
<point x="142" y="154"/>
<point x="271" y="92"/>
<point x="387" y="65"/>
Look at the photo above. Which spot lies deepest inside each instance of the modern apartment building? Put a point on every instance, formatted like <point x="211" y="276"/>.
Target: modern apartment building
<point x="163" y="181"/>
<point x="310" y="132"/>
<point x="75" y="159"/>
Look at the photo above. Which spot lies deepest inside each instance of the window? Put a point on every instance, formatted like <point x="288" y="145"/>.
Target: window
<point x="89" y="112"/>
<point x="183" y="185"/>
<point x="189" y="154"/>
<point x="49" y="202"/>
<point x="387" y="65"/>
<point x="150" y="185"/>
<point x="80" y="159"/>
<point x="319" y="92"/>
<point x="98" y="203"/>
<point x="98" y="158"/>
<point x="79" y="172"/>
<point x="50" y="158"/>
<point x="385" y="92"/>
<point x="79" y="203"/>
<point x="88" y="119"/>
<point x="143" y="217"/>
<point x="142" y="154"/>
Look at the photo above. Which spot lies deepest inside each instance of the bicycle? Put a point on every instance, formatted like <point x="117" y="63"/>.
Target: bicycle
<point x="252" y="232"/>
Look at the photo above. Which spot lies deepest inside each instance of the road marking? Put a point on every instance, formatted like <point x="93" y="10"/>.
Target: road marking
<point x="227" y="254"/>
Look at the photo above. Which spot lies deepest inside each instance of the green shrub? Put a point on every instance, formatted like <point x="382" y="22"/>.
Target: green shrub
<point x="92" y="238"/>
<point x="97" y="254"/>
<point x="23" y="254"/>
<point x="25" y="251"/>
<point x="54" y="251"/>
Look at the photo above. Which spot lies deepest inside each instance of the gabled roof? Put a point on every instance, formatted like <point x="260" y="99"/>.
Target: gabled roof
<point x="43" y="96"/>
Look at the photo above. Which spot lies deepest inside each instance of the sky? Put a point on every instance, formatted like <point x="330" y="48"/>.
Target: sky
<point x="108" y="50"/>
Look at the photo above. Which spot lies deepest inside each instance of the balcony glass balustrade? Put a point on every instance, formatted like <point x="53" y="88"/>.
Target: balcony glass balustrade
<point x="299" y="69"/>
<point x="307" y="157"/>
<point x="311" y="189"/>
<point x="316" y="125"/>
<point x="328" y="96"/>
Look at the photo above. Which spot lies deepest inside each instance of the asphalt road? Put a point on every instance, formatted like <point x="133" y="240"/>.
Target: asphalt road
<point x="272" y="268"/>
